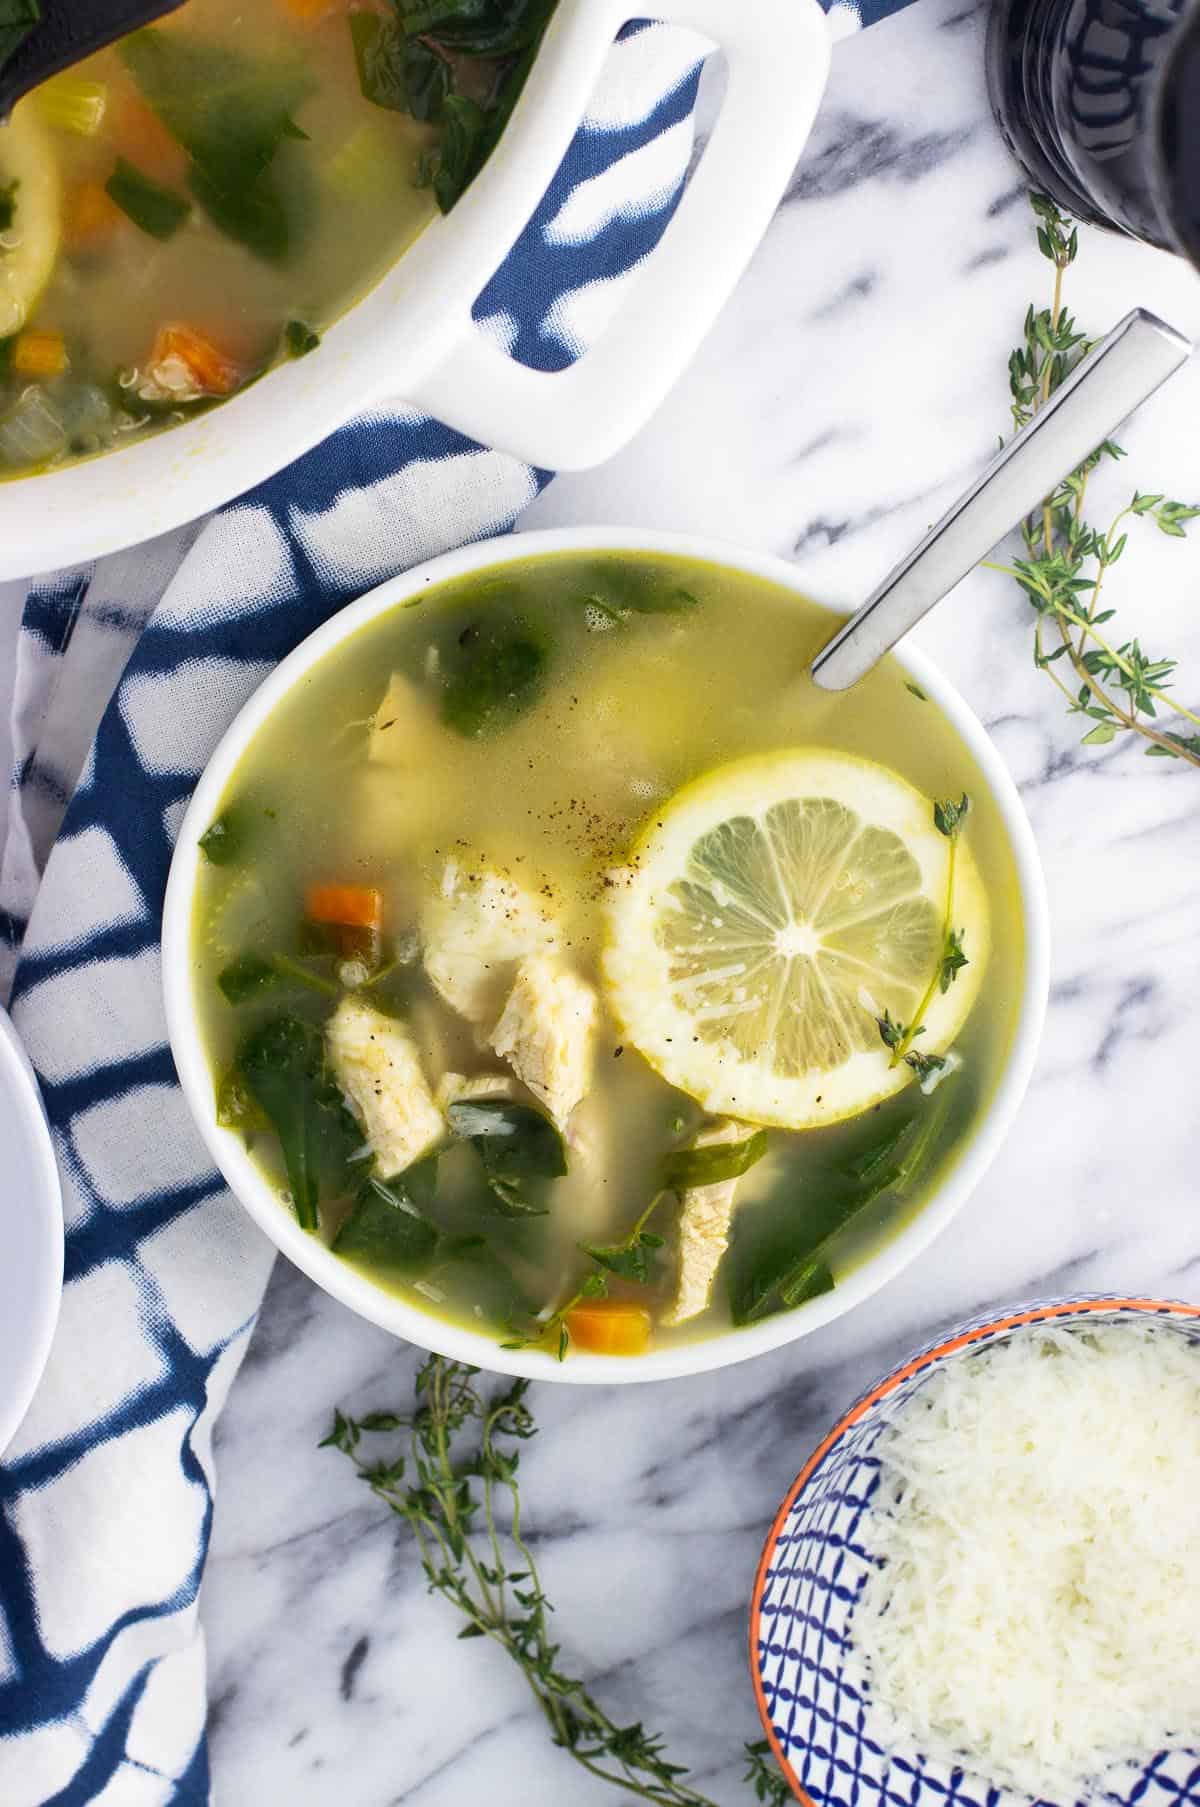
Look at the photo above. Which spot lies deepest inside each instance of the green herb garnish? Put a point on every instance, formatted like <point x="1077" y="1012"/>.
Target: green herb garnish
<point x="298" y="338"/>
<point x="450" y="1474"/>
<point x="156" y="210"/>
<point x="633" y="1257"/>
<point x="948" y="819"/>
<point x="1116" y="686"/>
<point x="515" y="1144"/>
<point x="630" y="1259"/>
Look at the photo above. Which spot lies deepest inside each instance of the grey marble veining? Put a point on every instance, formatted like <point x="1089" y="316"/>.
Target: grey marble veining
<point x="854" y="384"/>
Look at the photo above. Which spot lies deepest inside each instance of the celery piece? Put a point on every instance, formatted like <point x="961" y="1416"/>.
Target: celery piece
<point x="364" y="166"/>
<point x="73" y="103"/>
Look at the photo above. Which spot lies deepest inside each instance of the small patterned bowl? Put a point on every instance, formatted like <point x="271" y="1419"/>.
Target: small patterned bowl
<point x="813" y="1569"/>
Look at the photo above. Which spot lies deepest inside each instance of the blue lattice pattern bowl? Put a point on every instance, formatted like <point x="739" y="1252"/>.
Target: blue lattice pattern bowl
<point x="814" y="1567"/>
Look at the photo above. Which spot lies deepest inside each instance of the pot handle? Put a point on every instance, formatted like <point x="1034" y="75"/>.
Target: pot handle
<point x="777" y="53"/>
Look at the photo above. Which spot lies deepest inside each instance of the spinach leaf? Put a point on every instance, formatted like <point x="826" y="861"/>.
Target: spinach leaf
<point x="497" y="670"/>
<point x="711" y="1163"/>
<point x="494" y="1287"/>
<point x="515" y="1144"/>
<point x="253" y="216"/>
<point x="618" y="590"/>
<point x="462" y="149"/>
<point x="236" y="1109"/>
<point x="231" y="113"/>
<point x="492" y="28"/>
<point x="283" y="1066"/>
<point x="778" y="1258"/>
<point x="224" y="840"/>
<point x="246" y="977"/>
<point x="396" y="71"/>
<point x="17" y="20"/>
<point x="298" y="337"/>
<point x="250" y="975"/>
<point x="504" y="35"/>
<point x="388" y="1226"/>
<point x="156" y="210"/>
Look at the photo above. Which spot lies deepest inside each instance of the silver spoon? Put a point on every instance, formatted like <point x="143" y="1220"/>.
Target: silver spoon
<point x="1117" y="375"/>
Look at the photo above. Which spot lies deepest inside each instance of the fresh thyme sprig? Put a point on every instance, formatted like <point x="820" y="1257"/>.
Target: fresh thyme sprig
<point x="949" y="815"/>
<point x="630" y="1259"/>
<point x="1118" y="688"/>
<point x="453" y="1480"/>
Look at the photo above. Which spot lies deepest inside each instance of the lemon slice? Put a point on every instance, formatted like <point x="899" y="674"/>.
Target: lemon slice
<point x="29" y="241"/>
<point x="769" y="914"/>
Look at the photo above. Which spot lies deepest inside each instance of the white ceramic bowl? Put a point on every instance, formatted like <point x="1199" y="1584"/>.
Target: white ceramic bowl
<point x="405" y="1320"/>
<point x="31" y="1234"/>
<point x="413" y="335"/>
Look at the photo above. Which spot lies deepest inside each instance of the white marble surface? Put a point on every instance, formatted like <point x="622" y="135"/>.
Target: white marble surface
<point x="855" y="382"/>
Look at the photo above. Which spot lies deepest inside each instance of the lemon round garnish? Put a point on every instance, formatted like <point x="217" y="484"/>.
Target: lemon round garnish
<point x="29" y="190"/>
<point x="770" y="913"/>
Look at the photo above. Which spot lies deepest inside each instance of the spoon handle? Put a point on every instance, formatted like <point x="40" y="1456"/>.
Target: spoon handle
<point x="1118" y="374"/>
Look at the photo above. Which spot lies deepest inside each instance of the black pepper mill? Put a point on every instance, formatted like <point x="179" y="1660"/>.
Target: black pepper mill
<point x="1099" y="101"/>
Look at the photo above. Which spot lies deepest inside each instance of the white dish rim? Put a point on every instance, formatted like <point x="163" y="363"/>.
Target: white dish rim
<point x="44" y="1297"/>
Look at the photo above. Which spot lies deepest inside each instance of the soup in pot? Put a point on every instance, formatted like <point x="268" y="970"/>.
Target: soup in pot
<point x="576" y="968"/>
<point x="205" y="197"/>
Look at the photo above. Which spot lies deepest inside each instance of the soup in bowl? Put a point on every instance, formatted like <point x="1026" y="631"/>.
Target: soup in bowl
<point x="569" y="985"/>
<point x="247" y="222"/>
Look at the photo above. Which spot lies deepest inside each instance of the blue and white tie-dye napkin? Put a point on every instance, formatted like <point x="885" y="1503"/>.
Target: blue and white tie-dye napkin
<point x="128" y="673"/>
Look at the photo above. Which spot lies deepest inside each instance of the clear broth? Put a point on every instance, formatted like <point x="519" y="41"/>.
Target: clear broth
<point x="628" y="715"/>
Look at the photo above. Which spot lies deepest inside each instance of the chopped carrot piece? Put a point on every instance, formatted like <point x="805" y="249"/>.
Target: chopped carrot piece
<point x="39" y="354"/>
<point x="351" y="906"/>
<point x="313" y="12"/>
<point x="609" y="1328"/>
<point x="140" y="136"/>
<point x="92" y="218"/>
<point x="213" y="372"/>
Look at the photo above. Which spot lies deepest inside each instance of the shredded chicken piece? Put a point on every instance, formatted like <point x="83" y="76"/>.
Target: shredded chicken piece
<point x="705" y="1216"/>
<point x="453" y="1088"/>
<point x="376" y="1065"/>
<point x="473" y="934"/>
<point x="546" y="1033"/>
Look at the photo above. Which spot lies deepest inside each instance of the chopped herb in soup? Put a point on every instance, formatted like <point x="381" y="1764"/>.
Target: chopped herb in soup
<point x="577" y="969"/>
<point x="204" y="198"/>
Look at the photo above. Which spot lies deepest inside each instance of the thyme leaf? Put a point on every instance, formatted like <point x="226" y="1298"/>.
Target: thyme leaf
<point x="450" y="1474"/>
<point x="1113" y="684"/>
<point x="949" y="816"/>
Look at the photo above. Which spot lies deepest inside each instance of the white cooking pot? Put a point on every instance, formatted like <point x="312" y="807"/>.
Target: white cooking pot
<point x="413" y="335"/>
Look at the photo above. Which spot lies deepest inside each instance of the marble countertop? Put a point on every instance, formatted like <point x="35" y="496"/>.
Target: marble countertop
<point x="853" y="385"/>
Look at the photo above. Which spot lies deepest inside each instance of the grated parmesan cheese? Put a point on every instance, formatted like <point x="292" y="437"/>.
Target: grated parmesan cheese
<point x="1034" y="1609"/>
